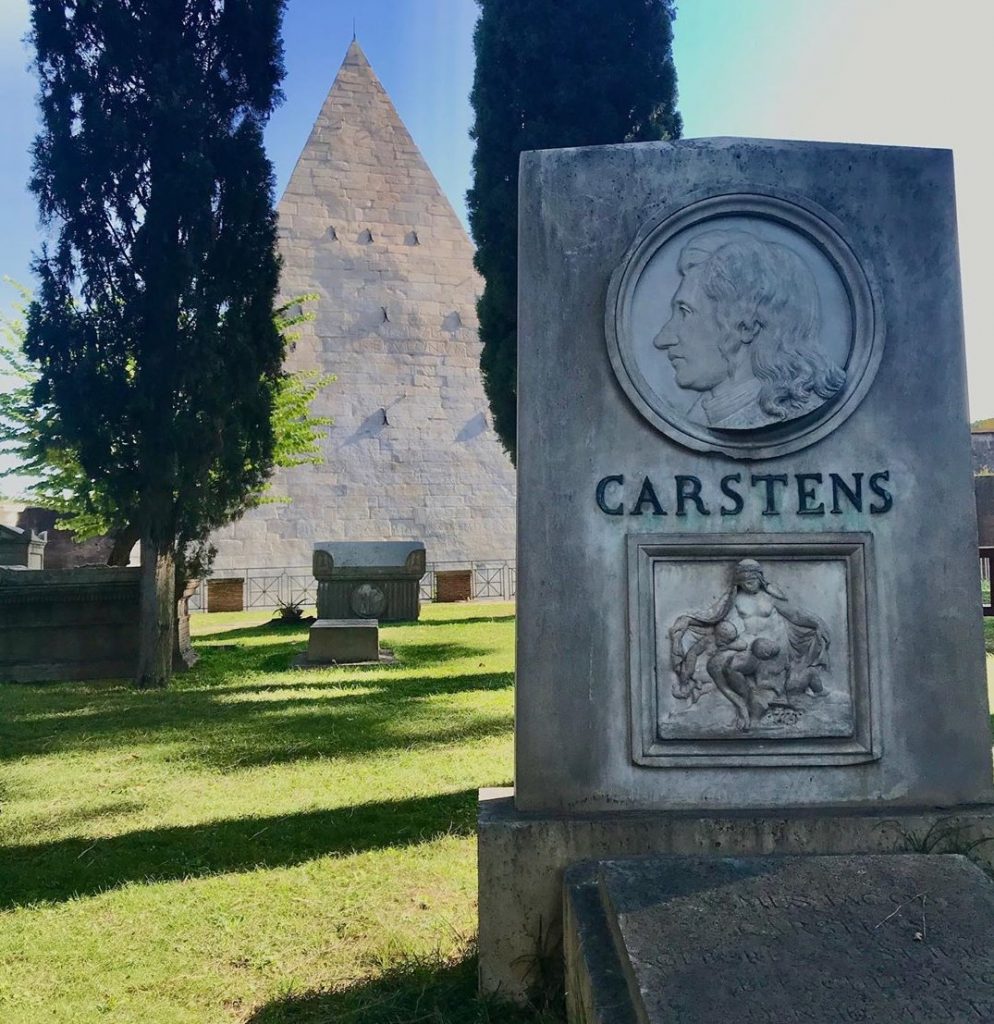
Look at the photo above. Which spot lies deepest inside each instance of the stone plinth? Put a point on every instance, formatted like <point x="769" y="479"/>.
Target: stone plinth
<point x="68" y="623"/>
<point x="779" y="940"/>
<point x="522" y="858"/>
<point x="376" y="580"/>
<point x="343" y="641"/>
<point x="22" y="547"/>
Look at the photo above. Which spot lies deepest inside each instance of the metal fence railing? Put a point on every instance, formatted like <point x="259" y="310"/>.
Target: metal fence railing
<point x="268" y="586"/>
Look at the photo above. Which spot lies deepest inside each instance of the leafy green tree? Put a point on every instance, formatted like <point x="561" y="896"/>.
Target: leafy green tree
<point x="30" y="436"/>
<point x="549" y="75"/>
<point x="153" y="327"/>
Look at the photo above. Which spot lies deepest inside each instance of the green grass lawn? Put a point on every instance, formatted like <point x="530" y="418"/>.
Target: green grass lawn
<point x="258" y="844"/>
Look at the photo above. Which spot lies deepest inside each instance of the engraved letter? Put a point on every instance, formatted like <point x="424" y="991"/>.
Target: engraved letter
<point x="886" y="500"/>
<point x="855" y="495"/>
<point x="770" y="479"/>
<point x="647" y="495"/>
<point x="688" y="488"/>
<point x="602" y="486"/>
<point x="806" y="494"/>
<point x="729" y="493"/>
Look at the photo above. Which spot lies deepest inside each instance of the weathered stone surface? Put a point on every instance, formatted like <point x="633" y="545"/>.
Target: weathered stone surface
<point x="365" y="226"/>
<point x="343" y="641"/>
<point x="522" y="857"/>
<point x="60" y="624"/>
<point x="728" y="592"/>
<point x="779" y="940"/>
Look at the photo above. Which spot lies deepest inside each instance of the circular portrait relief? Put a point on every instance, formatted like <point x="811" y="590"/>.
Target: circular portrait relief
<point x="368" y="601"/>
<point x="744" y="325"/>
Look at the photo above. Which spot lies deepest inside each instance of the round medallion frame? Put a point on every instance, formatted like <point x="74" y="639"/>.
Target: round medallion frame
<point x="818" y="227"/>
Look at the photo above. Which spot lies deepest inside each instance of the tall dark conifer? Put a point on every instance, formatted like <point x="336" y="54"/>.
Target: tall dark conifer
<point x="553" y="74"/>
<point x="153" y="326"/>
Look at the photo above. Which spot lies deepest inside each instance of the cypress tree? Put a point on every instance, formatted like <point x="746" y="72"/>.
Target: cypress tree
<point x="153" y="327"/>
<point x="549" y="75"/>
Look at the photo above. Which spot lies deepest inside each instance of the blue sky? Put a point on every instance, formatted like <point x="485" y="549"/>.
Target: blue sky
<point x="903" y="72"/>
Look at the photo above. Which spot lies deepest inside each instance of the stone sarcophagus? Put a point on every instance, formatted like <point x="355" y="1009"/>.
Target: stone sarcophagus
<point x="68" y="623"/>
<point x="374" y="580"/>
<point x="22" y="547"/>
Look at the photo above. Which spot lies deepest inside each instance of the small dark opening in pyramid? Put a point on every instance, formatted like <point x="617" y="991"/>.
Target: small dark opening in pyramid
<point x="412" y="238"/>
<point x="365" y="237"/>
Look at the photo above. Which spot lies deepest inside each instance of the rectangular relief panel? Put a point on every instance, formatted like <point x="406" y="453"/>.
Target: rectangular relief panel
<point x="750" y="650"/>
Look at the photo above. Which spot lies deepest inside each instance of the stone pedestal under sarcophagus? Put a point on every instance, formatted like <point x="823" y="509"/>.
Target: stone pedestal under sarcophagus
<point x="369" y="580"/>
<point x="748" y="615"/>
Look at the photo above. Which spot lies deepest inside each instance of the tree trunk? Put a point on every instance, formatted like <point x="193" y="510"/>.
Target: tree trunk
<point x="120" y="553"/>
<point x="158" y="613"/>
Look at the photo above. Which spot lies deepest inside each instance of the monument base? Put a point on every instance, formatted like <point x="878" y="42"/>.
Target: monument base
<point x="769" y="940"/>
<point x="522" y="858"/>
<point x="343" y="642"/>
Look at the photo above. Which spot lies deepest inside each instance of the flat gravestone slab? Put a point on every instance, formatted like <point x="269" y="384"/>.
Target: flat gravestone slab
<point x="343" y="641"/>
<point x="779" y="940"/>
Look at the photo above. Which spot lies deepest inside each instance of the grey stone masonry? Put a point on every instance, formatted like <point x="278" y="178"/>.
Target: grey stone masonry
<point x="365" y="227"/>
<point x="779" y="940"/>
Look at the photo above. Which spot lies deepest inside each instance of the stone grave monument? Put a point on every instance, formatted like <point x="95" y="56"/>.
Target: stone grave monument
<point x="369" y="579"/>
<point x="22" y="547"/>
<point x="360" y="585"/>
<point x="748" y="616"/>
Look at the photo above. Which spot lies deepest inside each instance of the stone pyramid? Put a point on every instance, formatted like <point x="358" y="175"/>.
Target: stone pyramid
<point x="411" y="455"/>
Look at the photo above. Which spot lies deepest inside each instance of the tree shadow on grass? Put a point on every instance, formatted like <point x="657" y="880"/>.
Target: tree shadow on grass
<point x="510" y="617"/>
<point x="429" y="990"/>
<point x="66" y="868"/>
<point x="222" y="660"/>
<point x="298" y="633"/>
<point x="295" y="633"/>
<point x="227" y="730"/>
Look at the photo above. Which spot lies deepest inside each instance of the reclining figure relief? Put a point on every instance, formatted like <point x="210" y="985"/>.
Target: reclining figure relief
<point x="757" y="649"/>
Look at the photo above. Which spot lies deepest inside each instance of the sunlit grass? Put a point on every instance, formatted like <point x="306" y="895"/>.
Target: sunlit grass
<point x="260" y="843"/>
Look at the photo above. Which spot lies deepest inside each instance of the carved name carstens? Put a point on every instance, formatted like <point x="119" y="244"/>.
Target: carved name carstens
<point x="805" y="494"/>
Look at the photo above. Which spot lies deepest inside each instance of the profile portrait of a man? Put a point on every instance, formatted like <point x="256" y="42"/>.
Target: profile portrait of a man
<point x="744" y="332"/>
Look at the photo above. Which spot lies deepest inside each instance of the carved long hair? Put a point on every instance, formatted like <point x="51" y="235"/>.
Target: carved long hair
<point x="765" y="285"/>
